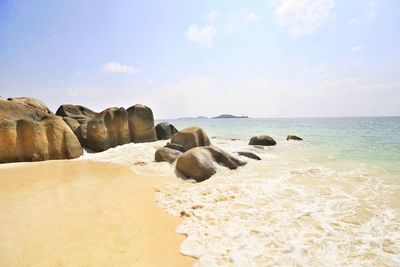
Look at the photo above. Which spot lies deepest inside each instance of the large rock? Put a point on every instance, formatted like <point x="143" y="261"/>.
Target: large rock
<point x="262" y="140"/>
<point x="191" y="137"/>
<point x="29" y="134"/>
<point x="31" y="103"/>
<point x="76" y="129"/>
<point x="293" y="137"/>
<point x="108" y="129"/>
<point x="167" y="154"/>
<point x="200" y="163"/>
<point x="165" y="131"/>
<point x="76" y="117"/>
<point x="141" y="124"/>
<point x="79" y="113"/>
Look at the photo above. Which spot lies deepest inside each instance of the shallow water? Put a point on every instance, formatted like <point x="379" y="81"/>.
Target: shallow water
<point x="332" y="200"/>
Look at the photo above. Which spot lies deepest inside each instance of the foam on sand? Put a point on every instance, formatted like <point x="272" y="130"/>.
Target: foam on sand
<point x="297" y="206"/>
<point x="284" y="212"/>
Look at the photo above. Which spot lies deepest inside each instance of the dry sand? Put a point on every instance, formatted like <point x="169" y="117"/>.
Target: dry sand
<point x="84" y="213"/>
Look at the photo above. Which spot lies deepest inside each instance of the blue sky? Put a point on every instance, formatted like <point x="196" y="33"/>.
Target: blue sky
<point x="289" y="58"/>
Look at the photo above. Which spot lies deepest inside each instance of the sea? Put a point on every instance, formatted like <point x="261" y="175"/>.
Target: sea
<point x="330" y="200"/>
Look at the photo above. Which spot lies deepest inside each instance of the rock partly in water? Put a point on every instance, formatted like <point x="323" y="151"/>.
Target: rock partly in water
<point x="175" y="146"/>
<point x="167" y="154"/>
<point x="108" y="129"/>
<point x="141" y="124"/>
<point x="293" y="137"/>
<point x="199" y="163"/>
<point x="262" y="140"/>
<point x="30" y="134"/>
<point x="250" y="155"/>
<point x="191" y="137"/>
<point x="31" y="103"/>
<point x="165" y="131"/>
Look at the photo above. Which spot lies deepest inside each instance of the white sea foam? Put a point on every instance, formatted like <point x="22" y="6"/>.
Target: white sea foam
<point x="292" y="208"/>
<point x="140" y="156"/>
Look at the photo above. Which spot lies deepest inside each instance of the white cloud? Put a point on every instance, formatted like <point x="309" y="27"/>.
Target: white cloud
<point x="302" y="17"/>
<point x="252" y="17"/>
<point x="357" y="48"/>
<point x="212" y="16"/>
<point x="203" y="36"/>
<point x="115" y="67"/>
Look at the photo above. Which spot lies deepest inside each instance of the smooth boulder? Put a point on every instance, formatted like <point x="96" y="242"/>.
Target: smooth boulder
<point x="191" y="137"/>
<point x="262" y="140"/>
<point x="200" y="163"/>
<point x="79" y="113"/>
<point x="293" y="137"/>
<point x="141" y="124"/>
<point x="165" y="130"/>
<point x="250" y="155"/>
<point x="108" y="129"/>
<point x="29" y="134"/>
<point x="166" y="154"/>
<point x="31" y="103"/>
<point x="76" y="117"/>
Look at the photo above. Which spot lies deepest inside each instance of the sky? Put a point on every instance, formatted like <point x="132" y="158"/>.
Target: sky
<point x="278" y="58"/>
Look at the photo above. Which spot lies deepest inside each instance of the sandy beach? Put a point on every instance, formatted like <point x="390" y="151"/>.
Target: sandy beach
<point x="84" y="213"/>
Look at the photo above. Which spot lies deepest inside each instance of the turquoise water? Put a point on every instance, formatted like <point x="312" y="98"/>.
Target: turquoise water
<point x="330" y="200"/>
<point x="372" y="140"/>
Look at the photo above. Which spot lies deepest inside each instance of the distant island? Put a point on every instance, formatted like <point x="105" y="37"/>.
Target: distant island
<point x="229" y="116"/>
<point x="192" y="118"/>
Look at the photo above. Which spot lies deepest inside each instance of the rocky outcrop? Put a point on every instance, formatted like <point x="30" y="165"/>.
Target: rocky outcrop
<point x="191" y="137"/>
<point x="167" y="154"/>
<point x="250" y="155"/>
<point x="108" y="129"/>
<point x="31" y="103"/>
<point x="141" y="124"/>
<point x="293" y="137"/>
<point x="32" y="134"/>
<point x="200" y="163"/>
<point x="262" y="140"/>
<point x="165" y="131"/>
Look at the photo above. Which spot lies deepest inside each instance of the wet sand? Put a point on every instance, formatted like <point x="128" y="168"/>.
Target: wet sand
<point x="84" y="213"/>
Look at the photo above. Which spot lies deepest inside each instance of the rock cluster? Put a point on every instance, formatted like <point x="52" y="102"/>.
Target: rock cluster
<point x="111" y="127"/>
<point x="200" y="159"/>
<point x="29" y="131"/>
<point x="200" y="163"/>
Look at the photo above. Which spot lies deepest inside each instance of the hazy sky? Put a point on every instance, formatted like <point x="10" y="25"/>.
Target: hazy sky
<point x="288" y="58"/>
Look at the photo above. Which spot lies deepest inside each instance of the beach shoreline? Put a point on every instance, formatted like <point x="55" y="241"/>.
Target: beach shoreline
<point x="84" y="213"/>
